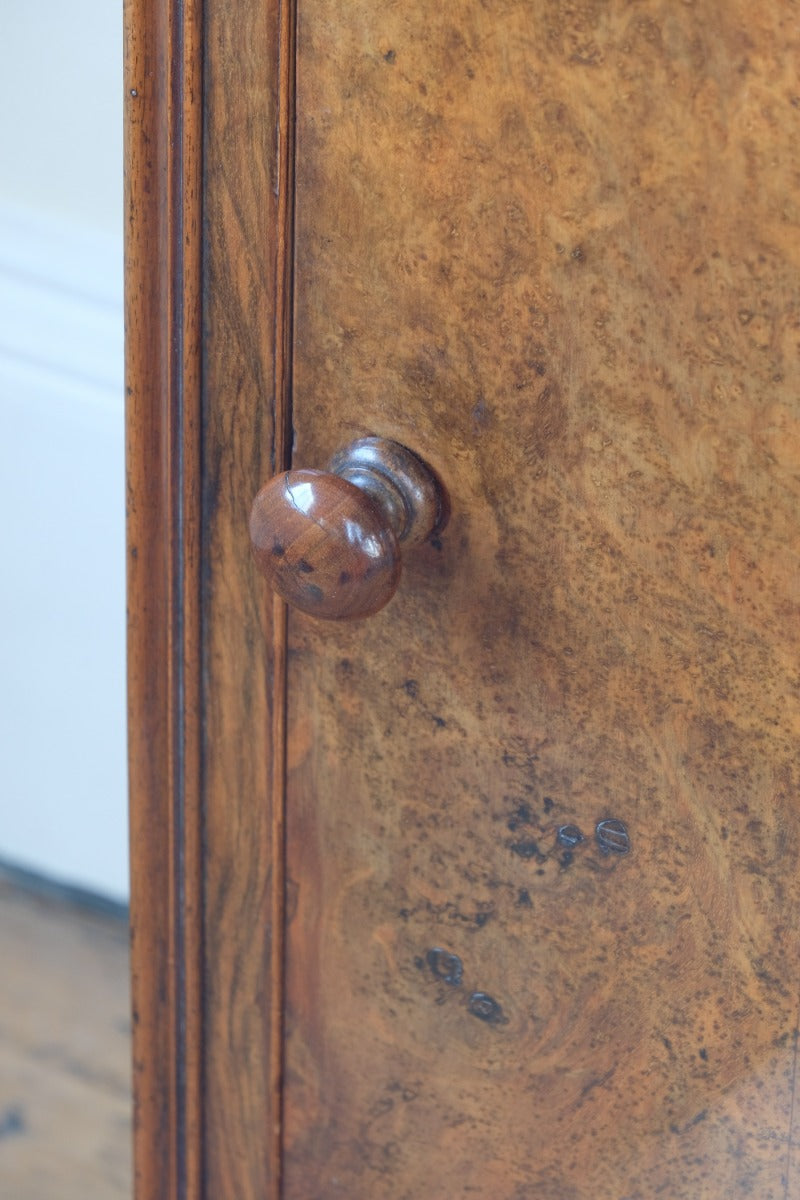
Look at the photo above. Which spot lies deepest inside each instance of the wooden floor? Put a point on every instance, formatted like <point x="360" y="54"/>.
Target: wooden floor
<point x="65" y="1107"/>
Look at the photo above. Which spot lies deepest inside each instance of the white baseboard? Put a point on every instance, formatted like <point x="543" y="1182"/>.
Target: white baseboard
<point x="62" y="606"/>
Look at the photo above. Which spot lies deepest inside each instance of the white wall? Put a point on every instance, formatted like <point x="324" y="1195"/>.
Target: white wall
<point x="61" y="109"/>
<point x="62" y="609"/>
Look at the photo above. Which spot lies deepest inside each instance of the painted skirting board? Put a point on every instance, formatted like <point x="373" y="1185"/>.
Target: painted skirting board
<point x="62" y="602"/>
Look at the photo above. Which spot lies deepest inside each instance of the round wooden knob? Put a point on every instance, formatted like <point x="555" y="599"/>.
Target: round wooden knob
<point x="329" y="541"/>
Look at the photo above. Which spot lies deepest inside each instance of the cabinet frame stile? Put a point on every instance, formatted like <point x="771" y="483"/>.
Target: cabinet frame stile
<point x="208" y="241"/>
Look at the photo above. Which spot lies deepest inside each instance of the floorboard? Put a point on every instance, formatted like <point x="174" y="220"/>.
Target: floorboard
<point x="65" y="1107"/>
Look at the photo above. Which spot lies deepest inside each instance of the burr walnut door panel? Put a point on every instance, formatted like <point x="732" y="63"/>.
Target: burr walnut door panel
<point x="542" y="811"/>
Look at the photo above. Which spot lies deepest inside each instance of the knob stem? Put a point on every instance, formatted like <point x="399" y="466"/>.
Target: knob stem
<point x="403" y="486"/>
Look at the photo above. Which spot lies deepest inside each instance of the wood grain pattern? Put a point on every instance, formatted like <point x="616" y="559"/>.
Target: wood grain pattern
<point x="209" y="217"/>
<point x="162" y="265"/>
<point x="65" y="1095"/>
<point x="324" y="545"/>
<point x="248" y="183"/>
<point x="554" y="249"/>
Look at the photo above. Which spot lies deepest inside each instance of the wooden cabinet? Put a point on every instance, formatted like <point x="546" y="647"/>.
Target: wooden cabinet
<point x="495" y="893"/>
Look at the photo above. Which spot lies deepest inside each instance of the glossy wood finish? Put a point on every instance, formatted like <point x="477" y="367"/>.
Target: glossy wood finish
<point x="246" y="417"/>
<point x="542" y="814"/>
<point x="324" y="545"/>
<point x="543" y="835"/>
<point x="162" y="281"/>
<point x="208" y="159"/>
<point x="329" y="542"/>
<point x="414" y="499"/>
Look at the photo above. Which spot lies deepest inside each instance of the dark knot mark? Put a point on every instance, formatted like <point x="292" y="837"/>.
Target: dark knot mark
<point x="313" y="592"/>
<point x="527" y="848"/>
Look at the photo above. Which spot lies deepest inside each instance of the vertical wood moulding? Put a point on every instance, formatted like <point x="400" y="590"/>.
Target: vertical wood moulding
<point x="248" y="105"/>
<point x="284" y="332"/>
<point x="163" y="197"/>
<point x="186" y="657"/>
<point x="208" y="130"/>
